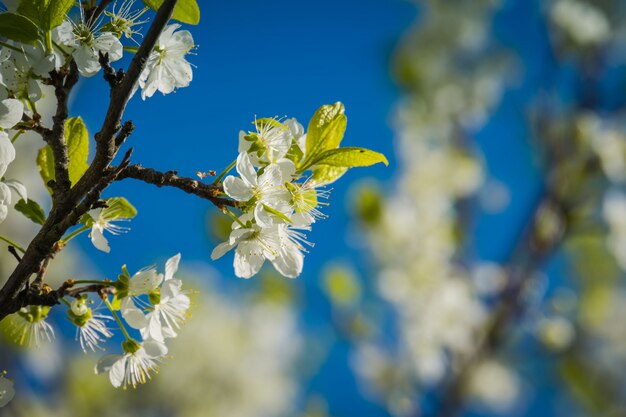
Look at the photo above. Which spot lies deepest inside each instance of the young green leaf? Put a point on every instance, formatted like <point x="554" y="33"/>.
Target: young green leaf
<point x="185" y="11"/>
<point x="326" y="129"/>
<point x="118" y="208"/>
<point x="350" y="157"/>
<point x="33" y="10"/>
<point x="45" y="164"/>
<point x="77" y="139"/>
<point x="325" y="174"/>
<point x="31" y="210"/>
<point x="55" y="13"/>
<point x="18" y="28"/>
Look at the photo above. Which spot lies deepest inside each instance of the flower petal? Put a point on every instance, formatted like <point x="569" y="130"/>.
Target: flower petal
<point x="132" y="314"/>
<point x="19" y="188"/>
<point x="171" y="267"/>
<point x="247" y="265"/>
<point x="11" y="111"/>
<point x="118" y="371"/>
<point x="221" y="249"/>
<point x="98" y="239"/>
<point x="237" y="188"/>
<point x="105" y="363"/>
<point x="246" y="170"/>
<point x="289" y="261"/>
<point x="154" y="349"/>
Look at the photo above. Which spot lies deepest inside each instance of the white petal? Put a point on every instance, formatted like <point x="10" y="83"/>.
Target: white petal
<point x="105" y="363"/>
<point x="237" y="188"/>
<point x="155" y="349"/>
<point x="244" y="145"/>
<point x="133" y="315"/>
<point x="287" y="169"/>
<point x="245" y="169"/>
<point x="107" y="43"/>
<point x="247" y="266"/>
<point x="117" y="372"/>
<point x="221" y="249"/>
<point x="5" y="194"/>
<point x="19" y="188"/>
<point x="86" y="60"/>
<point x="153" y="329"/>
<point x="7" y="152"/>
<point x="171" y="266"/>
<point x="4" y="211"/>
<point x="11" y="111"/>
<point x="144" y="282"/>
<point x="296" y="129"/>
<point x="271" y="177"/>
<point x="263" y="217"/>
<point x="289" y="261"/>
<point x="98" y="239"/>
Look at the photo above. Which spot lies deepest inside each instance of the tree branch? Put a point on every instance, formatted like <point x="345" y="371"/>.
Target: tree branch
<point x="56" y="137"/>
<point x="208" y="192"/>
<point x="67" y="207"/>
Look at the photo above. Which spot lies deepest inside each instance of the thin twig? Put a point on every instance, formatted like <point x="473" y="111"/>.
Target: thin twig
<point x="13" y="252"/>
<point x="208" y="192"/>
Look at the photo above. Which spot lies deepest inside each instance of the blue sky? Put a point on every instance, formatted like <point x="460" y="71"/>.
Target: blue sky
<point x="277" y="58"/>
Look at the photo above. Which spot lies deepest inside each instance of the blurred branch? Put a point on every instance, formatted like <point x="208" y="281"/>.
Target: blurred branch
<point x="546" y="230"/>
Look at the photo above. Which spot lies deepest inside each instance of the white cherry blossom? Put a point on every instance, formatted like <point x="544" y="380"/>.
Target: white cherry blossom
<point x="253" y="244"/>
<point x="135" y="365"/>
<point x="29" y="326"/>
<point x="167" y="69"/>
<point x="269" y="143"/>
<point x="91" y="329"/>
<point x="103" y="221"/>
<point x="266" y="191"/>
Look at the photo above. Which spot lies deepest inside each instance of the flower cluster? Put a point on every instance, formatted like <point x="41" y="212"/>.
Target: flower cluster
<point x="155" y="305"/>
<point x="276" y="208"/>
<point x="277" y="201"/>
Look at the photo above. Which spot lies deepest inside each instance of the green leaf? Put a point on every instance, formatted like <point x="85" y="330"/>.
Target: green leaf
<point x="349" y="157"/>
<point x="326" y="129"/>
<point x="77" y="139"/>
<point x="326" y="174"/>
<point x="118" y="208"/>
<point x="18" y="28"/>
<point x="31" y="210"/>
<point x="186" y="11"/>
<point x="55" y="13"/>
<point x="34" y="10"/>
<point x="45" y="164"/>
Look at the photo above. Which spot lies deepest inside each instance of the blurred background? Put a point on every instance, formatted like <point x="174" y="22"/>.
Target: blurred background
<point x="480" y="274"/>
